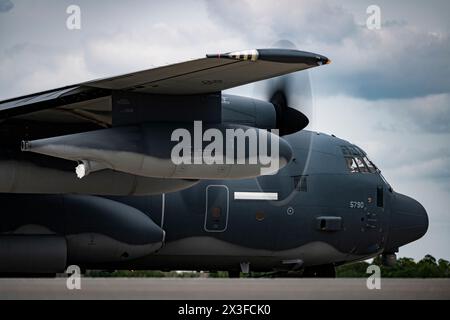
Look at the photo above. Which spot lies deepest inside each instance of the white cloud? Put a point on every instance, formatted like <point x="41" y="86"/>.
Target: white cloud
<point x="400" y="60"/>
<point x="161" y="44"/>
<point x="6" y="5"/>
<point x="51" y="69"/>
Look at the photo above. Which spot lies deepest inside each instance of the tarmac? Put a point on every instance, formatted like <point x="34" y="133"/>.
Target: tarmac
<point x="222" y="289"/>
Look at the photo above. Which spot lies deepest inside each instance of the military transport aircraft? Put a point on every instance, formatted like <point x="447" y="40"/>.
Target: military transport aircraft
<point x="88" y="177"/>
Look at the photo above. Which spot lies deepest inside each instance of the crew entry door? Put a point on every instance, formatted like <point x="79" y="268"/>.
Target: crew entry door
<point x="217" y="207"/>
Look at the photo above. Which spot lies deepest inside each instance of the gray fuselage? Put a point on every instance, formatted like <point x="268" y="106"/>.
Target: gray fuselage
<point x="324" y="214"/>
<point x="317" y="210"/>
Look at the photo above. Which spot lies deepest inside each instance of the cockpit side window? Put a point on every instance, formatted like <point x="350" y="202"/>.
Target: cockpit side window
<point x="351" y="164"/>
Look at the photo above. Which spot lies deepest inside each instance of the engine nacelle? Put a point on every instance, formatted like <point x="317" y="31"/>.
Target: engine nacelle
<point x="27" y="177"/>
<point x="248" y="111"/>
<point x="172" y="150"/>
<point x="275" y="114"/>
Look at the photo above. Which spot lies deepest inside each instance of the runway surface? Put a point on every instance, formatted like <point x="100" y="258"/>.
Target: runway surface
<point x="239" y="289"/>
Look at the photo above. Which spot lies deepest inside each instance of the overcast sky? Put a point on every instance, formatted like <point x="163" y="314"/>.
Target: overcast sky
<point x="387" y="90"/>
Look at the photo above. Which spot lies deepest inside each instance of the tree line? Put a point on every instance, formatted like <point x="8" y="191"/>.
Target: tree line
<point x="428" y="267"/>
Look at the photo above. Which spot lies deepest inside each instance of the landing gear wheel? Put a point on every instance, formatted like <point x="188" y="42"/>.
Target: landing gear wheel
<point x="323" y="271"/>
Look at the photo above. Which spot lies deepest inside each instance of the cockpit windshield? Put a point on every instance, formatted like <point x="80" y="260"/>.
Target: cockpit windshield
<point x="358" y="162"/>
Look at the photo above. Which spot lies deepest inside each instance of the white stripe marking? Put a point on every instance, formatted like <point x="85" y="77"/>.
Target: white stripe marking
<point x="255" y="196"/>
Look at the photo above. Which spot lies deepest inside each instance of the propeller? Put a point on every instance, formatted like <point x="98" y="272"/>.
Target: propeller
<point x="291" y="96"/>
<point x="289" y="117"/>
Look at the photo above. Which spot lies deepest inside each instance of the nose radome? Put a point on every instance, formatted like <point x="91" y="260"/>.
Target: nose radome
<point x="409" y="221"/>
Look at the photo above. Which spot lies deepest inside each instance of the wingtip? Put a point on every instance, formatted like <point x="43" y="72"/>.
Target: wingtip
<point x="322" y="60"/>
<point x="274" y="55"/>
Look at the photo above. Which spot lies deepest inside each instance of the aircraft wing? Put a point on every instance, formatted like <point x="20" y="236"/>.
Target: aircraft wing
<point x="216" y="72"/>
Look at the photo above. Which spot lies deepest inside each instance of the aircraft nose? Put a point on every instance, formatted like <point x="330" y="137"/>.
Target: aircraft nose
<point x="409" y="221"/>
